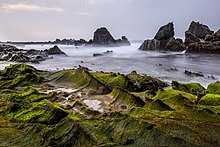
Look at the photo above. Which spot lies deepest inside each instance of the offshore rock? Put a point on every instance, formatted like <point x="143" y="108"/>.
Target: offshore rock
<point x="199" y="30"/>
<point x="164" y="40"/>
<point x="104" y="38"/>
<point x="165" y="32"/>
<point x="54" y="50"/>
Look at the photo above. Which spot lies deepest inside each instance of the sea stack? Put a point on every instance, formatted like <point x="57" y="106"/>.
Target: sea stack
<point x="102" y="37"/>
<point x="164" y="40"/>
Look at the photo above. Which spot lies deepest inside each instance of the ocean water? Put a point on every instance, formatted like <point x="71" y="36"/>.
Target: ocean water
<point x="128" y="58"/>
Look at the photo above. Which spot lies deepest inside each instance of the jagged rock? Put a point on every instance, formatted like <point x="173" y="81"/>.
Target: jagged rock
<point x="175" y="45"/>
<point x="165" y="32"/>
<point x="54" y="50"/>
<point x="103" y="37"/>
<point x="19" y="58"/>
<point x="81" y="42"/>
<point x="164" y="40"/>
<point x="196" y="74"/>
<point x="214" y="37"/>
<point x="150" y="44"/>
<point x="199" y="30"/>
<point x="190" y="38"/>
<point x="206" y="48"/>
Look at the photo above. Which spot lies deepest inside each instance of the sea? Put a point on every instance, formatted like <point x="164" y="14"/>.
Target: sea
<point x="165" y="65"/>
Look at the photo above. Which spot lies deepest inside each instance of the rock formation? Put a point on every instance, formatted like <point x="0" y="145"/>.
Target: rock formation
<point x="13" y="54"/>
<point x="43" y="108"/>
<point x="196" y="32"/>
<point x="164" y="40"/>
<point x="103" y="37"/>
<point x="200" y="39"/>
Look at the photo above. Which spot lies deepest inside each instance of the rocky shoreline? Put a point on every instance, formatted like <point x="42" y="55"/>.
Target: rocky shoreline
<point x="198" y="39"/>
<point x="77" y="107"/>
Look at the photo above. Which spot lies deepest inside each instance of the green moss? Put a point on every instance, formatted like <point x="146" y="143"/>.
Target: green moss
<point x="177" y="100"/>
<point x="157" y="105"/>
<point x="210" y="99"/>
<point x="123" y="97"/>
<point x="78" y="78"/>
<point x="214" y="88"/>
<point x="144" y="82"/>
<point x="42" y="112"/>
<point x="83" y="109"/>
<point x="193" y="88"/>
<point x="13" y="70"/>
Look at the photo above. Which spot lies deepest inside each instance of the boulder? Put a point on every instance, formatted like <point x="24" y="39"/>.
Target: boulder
<point x="165" y="32"/>
<point x="54" y="50"/>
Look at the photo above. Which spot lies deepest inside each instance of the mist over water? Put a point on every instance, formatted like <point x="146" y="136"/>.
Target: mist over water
<point x="167" y="66"/>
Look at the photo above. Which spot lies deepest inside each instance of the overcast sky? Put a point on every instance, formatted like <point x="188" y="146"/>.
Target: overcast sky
<point x="41" y="20"/>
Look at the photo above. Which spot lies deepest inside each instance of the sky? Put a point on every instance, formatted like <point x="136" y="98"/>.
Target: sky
<point x="44" y="20"/>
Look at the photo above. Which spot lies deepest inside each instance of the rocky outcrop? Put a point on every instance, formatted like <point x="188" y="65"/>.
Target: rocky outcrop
<point x="102" y="37"/>
<point x="165" y="32"/>
<point x="196" y="32"/>
<point x="13" y="54"/>
<point x="54" y="50"/>
<point x="200" y="39"/>
<point x="164" y="40"/>
<point x="199" y="30"/>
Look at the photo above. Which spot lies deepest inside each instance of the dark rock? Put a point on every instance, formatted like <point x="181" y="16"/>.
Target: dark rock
<point x="164" y="40"/>
<point x="196" y="74"/>
<point x="81" y="42"/>
<point x="150" y="44"/>
<point x="214" y="37"/>
<point x="14" y="107"/>
<point x="175" y="45"/>
<point x="19" y="58"/>
<point x="204" y="48"/>
<point x="190" y="38"/>
<point x="104" y="53"/>
<point x="165" y="32"/>
<point x="54" y="50"/>
<point x="103" y="37"/>
<point x="199" y="30"/>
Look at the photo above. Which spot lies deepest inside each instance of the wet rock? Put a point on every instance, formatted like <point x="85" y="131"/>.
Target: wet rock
<point x="165" y="32"/>
<point x="204" y="48"/>
<point x="199" y="30"/>
<point x="54" y="50"/>
<point x="164" y="40"/>
<point x="214" y="37"/>
<point x="103" y="37"/>
<point x="19" y="58"/>
<point x="196" y="74"/>
<point x="104" y="53"/>
<point x="193" y="88"/>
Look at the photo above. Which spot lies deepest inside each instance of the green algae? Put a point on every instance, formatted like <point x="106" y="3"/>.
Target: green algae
<point x="210" y="100"/>
<point x="214" y="88"/>
<point x="78" y="78"/>
<point x="123" y="98"/>
<point x="177" y="100"/>
<point x="41" y="112"/>
<point x="193" y="88"/>
<point x="144" y="82"/>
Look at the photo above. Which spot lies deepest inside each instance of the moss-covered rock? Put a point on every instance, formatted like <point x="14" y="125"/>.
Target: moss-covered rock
<point x="177" y="100"/>
<point x="157" y="105"/>
<point x="193" y="88"/>
<point x="124" y="100"/>
<point x="19" y="75"/>
<point x="210" y="100"/>
<point x="214" y="88"/>
<point x="78" y="78"/>
<point x="44" y="112"/>
<point x="143" y="82"/>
